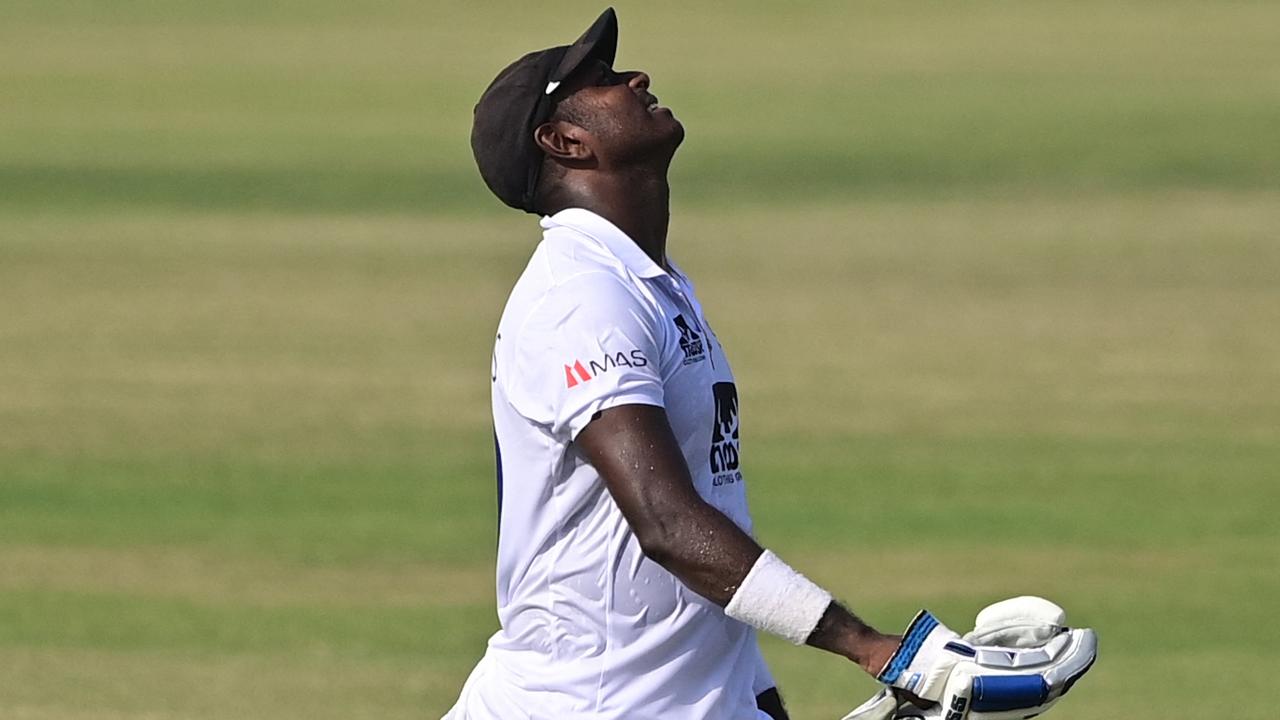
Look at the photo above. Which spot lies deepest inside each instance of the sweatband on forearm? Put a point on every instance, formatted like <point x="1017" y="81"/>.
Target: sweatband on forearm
<point x="776" y="599"/>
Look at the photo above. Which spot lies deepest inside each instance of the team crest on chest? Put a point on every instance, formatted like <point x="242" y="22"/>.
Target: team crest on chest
<point x="690" y="341"/>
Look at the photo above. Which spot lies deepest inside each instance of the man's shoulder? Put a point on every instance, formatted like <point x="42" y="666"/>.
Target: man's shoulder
<point x="590" y="296"/>
<point x="566" y="253"/>
<point x="563" y="274"/>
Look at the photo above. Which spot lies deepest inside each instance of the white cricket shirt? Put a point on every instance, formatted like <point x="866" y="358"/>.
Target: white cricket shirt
<point x="590" y="627"/>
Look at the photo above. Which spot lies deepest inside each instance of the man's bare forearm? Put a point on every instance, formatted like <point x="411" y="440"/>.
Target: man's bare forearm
<point x="843" y="633"/>
<point x="640" y="461"/>
<point x="637" y="456"/>
<point x="706" y="550"/>
<point x="711" y="555"/>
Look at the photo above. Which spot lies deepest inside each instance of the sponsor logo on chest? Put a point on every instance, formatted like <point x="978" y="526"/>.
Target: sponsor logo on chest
<point x="725" y="453"/>
<point x="690" y="341"/>
<point x="580" y="372"/>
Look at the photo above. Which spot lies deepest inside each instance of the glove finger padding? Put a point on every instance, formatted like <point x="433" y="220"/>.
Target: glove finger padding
<point x="986" y="682"/>
<point x="1019" y="622"/>
<point x="1012" y="684"/>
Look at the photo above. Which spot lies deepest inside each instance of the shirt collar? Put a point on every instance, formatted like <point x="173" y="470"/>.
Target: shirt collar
<point x="606" y="233"/>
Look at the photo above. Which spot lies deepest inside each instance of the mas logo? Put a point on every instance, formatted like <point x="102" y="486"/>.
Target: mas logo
<point x="579" y="373"/>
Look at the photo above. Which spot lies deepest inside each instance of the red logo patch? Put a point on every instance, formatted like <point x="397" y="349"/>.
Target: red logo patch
<point x="582" y="374"/>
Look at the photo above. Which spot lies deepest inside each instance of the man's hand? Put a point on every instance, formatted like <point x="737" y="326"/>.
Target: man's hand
<point x="1037" y="661"/>
<point x="925" y="658"/>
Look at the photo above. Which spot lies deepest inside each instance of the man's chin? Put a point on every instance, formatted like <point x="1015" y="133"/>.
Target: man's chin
<point x="677" y="133"/>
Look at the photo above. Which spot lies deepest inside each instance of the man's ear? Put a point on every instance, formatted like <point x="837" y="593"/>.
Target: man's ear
<point x="563" y="141"/>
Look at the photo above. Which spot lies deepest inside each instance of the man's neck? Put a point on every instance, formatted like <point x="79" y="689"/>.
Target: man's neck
<point x="637" y="202"/>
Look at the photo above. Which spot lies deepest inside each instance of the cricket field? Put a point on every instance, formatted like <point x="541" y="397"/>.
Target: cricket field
<point x="1000" y="283"/>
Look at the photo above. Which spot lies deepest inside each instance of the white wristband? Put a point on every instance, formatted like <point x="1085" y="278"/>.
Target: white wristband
<point x="777" y="599"/>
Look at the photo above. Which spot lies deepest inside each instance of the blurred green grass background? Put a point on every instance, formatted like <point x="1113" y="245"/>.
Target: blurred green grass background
<point x="1001" y="284"/>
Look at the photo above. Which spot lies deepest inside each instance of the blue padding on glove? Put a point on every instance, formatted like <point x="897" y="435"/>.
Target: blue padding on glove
<point x="920" y="628"/>
<point x="992" y="693"/>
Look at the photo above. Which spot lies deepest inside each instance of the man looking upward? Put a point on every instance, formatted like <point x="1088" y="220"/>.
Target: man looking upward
<point x="629" y="585"/>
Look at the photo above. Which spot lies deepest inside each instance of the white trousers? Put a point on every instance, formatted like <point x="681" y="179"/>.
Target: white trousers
<point x="476" y="704"/>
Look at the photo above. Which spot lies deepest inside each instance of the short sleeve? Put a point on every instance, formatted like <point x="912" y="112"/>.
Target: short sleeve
<point x="589" y="345"/>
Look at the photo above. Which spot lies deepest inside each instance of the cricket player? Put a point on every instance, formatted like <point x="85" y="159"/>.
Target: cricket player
<point x="629" y="584"/>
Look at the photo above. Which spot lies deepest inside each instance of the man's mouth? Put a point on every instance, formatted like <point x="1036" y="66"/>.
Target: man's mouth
<point x="653" y="105"/>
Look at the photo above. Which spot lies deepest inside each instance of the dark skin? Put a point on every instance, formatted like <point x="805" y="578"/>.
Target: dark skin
<point x="608" y="148"/>
<point x="608" y="152"/>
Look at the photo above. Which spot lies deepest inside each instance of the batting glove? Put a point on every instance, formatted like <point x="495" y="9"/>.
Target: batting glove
<point x="1038" y="661"/>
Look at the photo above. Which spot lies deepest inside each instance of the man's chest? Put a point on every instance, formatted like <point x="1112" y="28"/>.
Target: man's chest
<point x="702" y="405"/>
